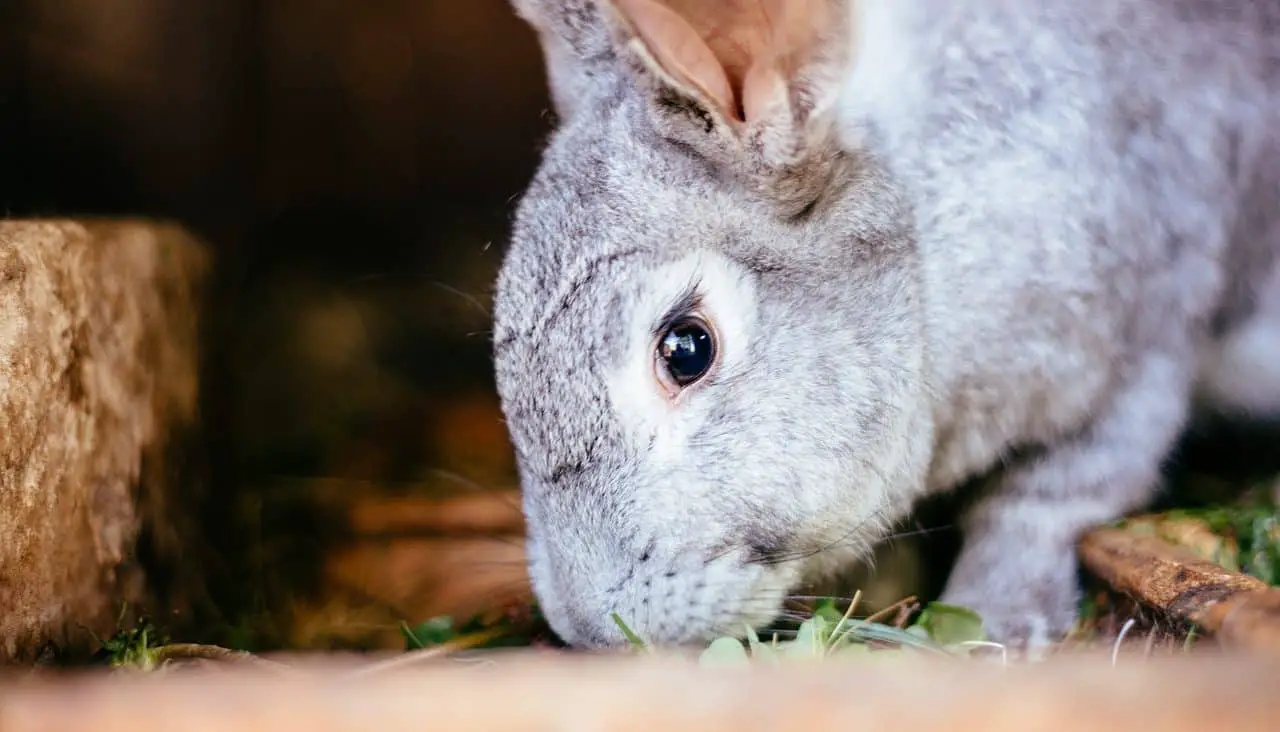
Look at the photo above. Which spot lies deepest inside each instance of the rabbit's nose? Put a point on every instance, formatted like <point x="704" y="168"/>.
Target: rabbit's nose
<point x="592" y="629"/>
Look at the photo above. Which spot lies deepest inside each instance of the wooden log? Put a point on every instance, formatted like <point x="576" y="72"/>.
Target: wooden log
<point x="1247" y="619"/>
<point x="459" y="556"/>
<point x="488" y="513"/>
<point x="1190" y="693"/>
<point x="1239" y="610"/>
<point x="421" y="578"/>
<point x="98" y="393"/>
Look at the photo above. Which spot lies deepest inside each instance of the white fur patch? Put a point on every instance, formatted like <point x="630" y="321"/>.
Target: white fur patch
<point x="728" y="297"/>
<point x="1243" y="375"/>
<point x="880" y="75"/>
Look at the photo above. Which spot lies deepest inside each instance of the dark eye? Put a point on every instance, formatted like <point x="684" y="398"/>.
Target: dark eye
<point x="687" y="350"/>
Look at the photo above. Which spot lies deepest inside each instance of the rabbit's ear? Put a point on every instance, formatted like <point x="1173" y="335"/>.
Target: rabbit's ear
<point x="576" y="48"/>
<point x="749" y="83"/>
<point x="680" y="54"/>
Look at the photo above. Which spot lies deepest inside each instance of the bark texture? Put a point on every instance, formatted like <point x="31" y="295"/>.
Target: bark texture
<point x="98" y="402"/>
<point x="1239" y="610"/>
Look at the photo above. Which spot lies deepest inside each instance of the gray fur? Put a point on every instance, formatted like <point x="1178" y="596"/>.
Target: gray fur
<point x="1014" y="248"/>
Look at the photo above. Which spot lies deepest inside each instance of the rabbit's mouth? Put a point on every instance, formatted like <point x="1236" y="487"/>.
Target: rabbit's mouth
<point x="679" y="602"/>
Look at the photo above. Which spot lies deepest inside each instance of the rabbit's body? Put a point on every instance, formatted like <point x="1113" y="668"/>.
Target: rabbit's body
<point x="1056" y="154"/>
<point x="1092" y="145"/>
<point x="1097" y="197"/>
<point x="984" y="238"/>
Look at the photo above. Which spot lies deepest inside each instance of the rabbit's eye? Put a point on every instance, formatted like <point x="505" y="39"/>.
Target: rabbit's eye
<point x="687" y="350"/>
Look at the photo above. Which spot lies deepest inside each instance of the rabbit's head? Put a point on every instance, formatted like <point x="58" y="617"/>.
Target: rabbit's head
<point x="707" y="338"/>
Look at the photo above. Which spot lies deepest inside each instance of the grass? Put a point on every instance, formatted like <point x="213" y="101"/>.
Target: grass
<point x="1243" y="537"/>
<point x="939" y="630"/>
<point x="828" y="633"/>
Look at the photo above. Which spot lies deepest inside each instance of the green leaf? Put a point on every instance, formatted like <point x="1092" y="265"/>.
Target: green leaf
<point x="809" y="642"/>
<point x="826" y="609"/>
<point x="1190" y="639"/>
<point x="429" y="633"/>
<point x="913" y="637"/>
<point x="759" y="651"/>
<point x="948" y="625"/>
<point x="1264" y="559"/>
<point x="724" y="651"/>
<point x="635" y="640"/>
<point x="765" y="654"/>
<point x="862" y="653"/>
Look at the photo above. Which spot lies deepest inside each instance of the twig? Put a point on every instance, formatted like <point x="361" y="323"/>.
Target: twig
<point x="835" y="634"/>
<point x="904" y="608"/>
<point x="1239" y="610"/>
<point x="203" y="652"/>
<point x="427" y="654"/>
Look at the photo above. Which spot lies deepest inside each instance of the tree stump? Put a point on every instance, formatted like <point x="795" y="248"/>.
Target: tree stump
<point x="98" y="408"/>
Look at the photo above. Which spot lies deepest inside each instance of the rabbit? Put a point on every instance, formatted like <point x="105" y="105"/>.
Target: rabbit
<point x="787" y="268"/>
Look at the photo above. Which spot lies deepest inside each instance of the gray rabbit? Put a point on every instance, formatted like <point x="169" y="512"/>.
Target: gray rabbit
<point x="788" y="266"/>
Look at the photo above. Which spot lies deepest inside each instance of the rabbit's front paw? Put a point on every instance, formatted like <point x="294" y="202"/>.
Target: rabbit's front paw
<point x="1026" y="627"/>
<point x="1026" y="632"/>
<point x="1028" y="600"/>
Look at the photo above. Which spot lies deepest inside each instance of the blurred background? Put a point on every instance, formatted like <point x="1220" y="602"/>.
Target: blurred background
<point x="353" y="166"/>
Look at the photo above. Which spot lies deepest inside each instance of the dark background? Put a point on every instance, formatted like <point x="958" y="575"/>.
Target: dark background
<point x="353" y="167"/>
<point x="342" y="159"/>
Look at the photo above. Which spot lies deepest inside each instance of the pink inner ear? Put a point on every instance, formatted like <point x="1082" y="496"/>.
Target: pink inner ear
<point x="763" y="90"/>
<point x="681" y="51"/>
<point x="741" y="54"/>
